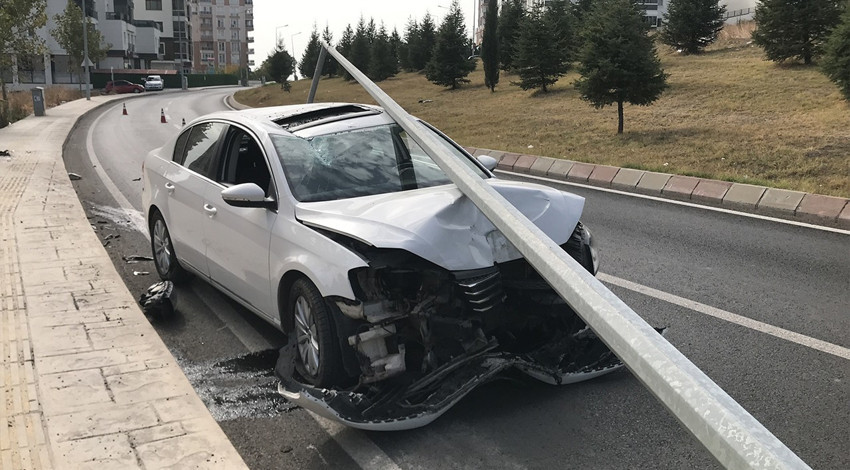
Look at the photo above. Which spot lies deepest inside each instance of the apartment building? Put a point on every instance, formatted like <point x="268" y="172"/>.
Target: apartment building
<point x="220" y="34"/>
<point x="142" y="34"/>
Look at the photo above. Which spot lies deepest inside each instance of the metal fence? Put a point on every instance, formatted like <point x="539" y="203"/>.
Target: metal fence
<point x="727" y="430"/>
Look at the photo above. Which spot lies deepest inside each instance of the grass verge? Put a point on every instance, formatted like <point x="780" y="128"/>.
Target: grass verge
<point x="729" y="114"/>
<point x="20" y="102"/>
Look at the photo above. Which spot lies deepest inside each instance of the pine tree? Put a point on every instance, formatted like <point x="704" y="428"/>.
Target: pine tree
<point x="541" y="55"/>
<point x="310" y="59"/>
<point x="279" y="66"/>
<point x="836" y="57"/>
<point x="382" y="64"/>
<point x="360" y="46"/>
<point x="411" y="37"/>
<point x="422" y="49"/>
<point x="344" y="48"/>
<point x="513" y="12"/>
<point x="490" y="46"/>
<point x="395" y="50"/>
<point x="581" y="8"/>
<point x="619" y="63"/>
<point x="450" y="63"/>
<point x="331" y="65"/>
<point x="691" y="25"/>
<point x="794" y="29"/>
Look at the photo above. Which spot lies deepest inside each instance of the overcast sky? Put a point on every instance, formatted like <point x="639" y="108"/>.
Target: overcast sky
<point x="271" y="15"/>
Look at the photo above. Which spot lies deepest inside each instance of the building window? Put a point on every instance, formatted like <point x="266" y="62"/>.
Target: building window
<point x="235" y="46"/>
<point x="234" y="34"/>
<point x="221" y="59"/>
<point x="220" y="23"/>
<point x="151" y="5"/>
<point x="221" y="46"/>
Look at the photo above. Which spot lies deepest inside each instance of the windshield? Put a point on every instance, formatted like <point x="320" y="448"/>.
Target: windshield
<point x="374" y="160"/>
<point x="154" y="78"/>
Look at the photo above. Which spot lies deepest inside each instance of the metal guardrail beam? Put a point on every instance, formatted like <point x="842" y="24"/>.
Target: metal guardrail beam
<point x="727" y="430"/>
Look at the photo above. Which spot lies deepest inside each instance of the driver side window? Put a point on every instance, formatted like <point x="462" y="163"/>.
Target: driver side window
<point x="243" y="161"/>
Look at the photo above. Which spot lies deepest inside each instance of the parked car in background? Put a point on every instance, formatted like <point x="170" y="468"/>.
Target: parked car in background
<point x="123" y="86"/>
<point x="153" y="82"/>
<point x="332" y="224"/>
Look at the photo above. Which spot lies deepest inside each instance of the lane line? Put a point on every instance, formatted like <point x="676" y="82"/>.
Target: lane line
<point x="137" y="219"/>
<point x="781" y="333"/>
<point x="236" y="323"/>
<point x="359" y="447"/>
<point x="680" y="203"/>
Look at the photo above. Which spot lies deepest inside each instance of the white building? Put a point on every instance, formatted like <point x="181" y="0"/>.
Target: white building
<point x="220" y="40"/>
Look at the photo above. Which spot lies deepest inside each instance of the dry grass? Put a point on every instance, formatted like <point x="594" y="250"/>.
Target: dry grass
<point x="20" y="102"/>
<point x="728" y="114"/>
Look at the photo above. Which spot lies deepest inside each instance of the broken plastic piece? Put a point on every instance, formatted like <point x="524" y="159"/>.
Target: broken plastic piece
<point x="140" y="273"/>
<point x="132" y="259"/>
<point x="74" y="176"/>
<point x="157" y="301"/>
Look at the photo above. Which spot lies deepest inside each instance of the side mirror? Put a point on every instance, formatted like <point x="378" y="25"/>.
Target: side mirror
<point x="489" y="162"/>
<point x="247" y="195"/>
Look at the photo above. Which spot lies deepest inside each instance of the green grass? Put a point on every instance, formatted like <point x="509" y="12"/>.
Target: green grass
<point x="728" y="114"/>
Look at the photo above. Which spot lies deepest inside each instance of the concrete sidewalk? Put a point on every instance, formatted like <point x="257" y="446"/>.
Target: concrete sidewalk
<point x="87" y="382"/>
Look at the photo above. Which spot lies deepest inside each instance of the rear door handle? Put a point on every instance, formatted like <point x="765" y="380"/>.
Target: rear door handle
<point x="169" y="187"/>
<point x="210" y="210"/>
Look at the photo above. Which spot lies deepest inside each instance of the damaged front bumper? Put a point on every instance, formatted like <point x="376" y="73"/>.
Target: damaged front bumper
<point x="419" y="403"/>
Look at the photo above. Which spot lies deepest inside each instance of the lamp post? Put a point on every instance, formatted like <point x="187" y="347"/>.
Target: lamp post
<point x="292" y="43"/>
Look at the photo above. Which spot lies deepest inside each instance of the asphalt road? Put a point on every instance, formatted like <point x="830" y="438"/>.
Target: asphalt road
<point x="681" y="262"/>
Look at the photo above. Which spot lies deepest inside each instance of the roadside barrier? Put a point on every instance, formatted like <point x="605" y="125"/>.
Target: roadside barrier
<point x="733" y="436"/>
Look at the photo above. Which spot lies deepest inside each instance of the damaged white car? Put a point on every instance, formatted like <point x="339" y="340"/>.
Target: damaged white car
<point x="398" y="295"/>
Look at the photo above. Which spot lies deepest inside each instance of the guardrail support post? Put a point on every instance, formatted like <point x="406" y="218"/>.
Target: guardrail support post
<point x="317" y="75"/>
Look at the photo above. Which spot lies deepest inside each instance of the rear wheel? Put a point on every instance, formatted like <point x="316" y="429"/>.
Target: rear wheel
<point x="318" y="352"/>
<point x="164" y="259"/>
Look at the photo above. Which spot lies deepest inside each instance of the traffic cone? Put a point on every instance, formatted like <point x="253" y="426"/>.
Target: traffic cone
<point x="124" y="112"/>
<point x="162" y="116"/>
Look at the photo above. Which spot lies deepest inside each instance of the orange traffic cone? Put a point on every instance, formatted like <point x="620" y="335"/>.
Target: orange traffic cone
<point x="162" y="116"/>
<point x="125" y="110"/>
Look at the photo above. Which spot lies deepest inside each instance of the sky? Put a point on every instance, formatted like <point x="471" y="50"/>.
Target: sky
<point x="270" y="17"/>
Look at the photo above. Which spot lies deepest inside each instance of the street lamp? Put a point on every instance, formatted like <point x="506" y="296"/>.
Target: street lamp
<point x="86" y="60"/>
<point x="292" y="43"/>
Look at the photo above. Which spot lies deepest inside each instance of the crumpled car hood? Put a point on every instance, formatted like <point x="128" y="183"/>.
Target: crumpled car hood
<point x="443" y="226"/>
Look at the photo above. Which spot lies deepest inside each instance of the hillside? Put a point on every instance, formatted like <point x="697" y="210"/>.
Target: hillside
<point x="728" y="114"/>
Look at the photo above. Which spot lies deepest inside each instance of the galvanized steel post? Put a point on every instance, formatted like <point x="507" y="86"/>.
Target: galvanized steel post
<point x="727" y="430"/>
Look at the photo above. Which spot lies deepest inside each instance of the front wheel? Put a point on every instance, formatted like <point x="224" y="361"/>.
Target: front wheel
<point x="164" y="259"/>
<point x="318" y="359"/>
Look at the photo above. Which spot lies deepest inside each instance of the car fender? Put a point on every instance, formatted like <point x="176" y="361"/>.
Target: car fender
<point x="297" y="248"/>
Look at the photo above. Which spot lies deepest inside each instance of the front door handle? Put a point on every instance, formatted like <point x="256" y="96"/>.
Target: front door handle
<point x="169" y="187"/>
<point x="210" y="210"/>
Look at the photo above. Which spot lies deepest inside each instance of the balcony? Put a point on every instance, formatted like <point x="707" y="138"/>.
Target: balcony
<point x="249" y="25"/>
<point x="250" y="40"/>
<point x="250" y="51"/>
<point x="251" y="63"/>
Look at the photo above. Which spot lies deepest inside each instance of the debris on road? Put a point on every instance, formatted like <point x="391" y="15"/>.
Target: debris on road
<point x="5" y="153"/>
<point x="133" y="259"/>
<point x="140" y="273"/>
<point x="156" y="302"/>
<point x="74" y="176"/>
<point x="137" y="179"/>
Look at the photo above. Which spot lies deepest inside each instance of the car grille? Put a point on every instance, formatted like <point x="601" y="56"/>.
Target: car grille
<point x="482" y="289"/>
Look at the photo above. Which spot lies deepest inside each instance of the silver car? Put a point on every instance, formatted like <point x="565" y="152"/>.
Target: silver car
<point x="153" y="82"/>
<point x="398" y="296"/>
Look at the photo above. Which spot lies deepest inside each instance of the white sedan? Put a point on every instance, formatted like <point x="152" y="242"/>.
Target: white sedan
<point x="329" y="222"/>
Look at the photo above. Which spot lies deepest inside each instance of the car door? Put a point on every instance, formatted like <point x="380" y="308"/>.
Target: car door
<point x="187" y="182"/>
<point x="239" y="237"/>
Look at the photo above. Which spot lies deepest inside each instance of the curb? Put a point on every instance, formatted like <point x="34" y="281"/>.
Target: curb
<point x="798" y="206"/>
<point x="92" y="384"/>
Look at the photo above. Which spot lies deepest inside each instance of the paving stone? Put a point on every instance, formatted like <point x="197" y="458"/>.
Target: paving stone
<point x="86" y="386"/>
<point x="166" y="453"/>
<point x="147" y="385"/>
<point x="507" y="161"/>
<point x="744" y="195"/>
<point x="627" y="178"/>
<point x="680" y="187"/>
<point x="781" y="200"/>
<point x="603" y="175"/>
<point x="81" y="361"/>
<point x="99" y="421"/>
<point x="524" y="163"/>
<point x="712" y="191"/>
<point x="560" y="169"/>
<point x="98" y="453"/>
<point x="652" y="182"/>
<point x="541" y="166"/>
<point x="815" y="206"/>
<point x="580" y="172"/>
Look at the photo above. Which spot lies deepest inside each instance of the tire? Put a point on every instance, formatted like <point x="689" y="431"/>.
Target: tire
<point x="164" y="258"/>
<point x="136" y="90"/>
<point x="318" y="359"/>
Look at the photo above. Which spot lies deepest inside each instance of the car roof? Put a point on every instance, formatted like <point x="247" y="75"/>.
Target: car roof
<point x="292" y="118"/>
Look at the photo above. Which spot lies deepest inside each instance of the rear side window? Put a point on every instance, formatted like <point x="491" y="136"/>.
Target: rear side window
<point x="201" y="148"/>
<point x="180" y="146"/>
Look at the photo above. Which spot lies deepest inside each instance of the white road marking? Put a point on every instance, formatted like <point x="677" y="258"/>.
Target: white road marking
<point x="730" y="317"/>
<point x="137" y="219"/>
<point x="236" y="323"/>
<point x="359" y="447"/>
<point x="681" y="203"/>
